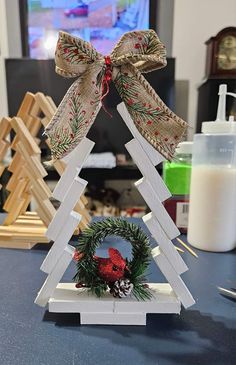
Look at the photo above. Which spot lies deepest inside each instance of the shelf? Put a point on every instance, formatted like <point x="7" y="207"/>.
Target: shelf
<point x="95" y="174"/>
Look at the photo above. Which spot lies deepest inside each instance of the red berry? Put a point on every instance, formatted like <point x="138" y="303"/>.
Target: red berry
<point x="79" y="285"/>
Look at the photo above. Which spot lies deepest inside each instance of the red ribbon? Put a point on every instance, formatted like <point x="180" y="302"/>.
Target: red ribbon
<point x="106" y="81"/>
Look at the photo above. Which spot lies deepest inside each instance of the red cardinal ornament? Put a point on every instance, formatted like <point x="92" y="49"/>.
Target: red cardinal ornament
<point x="112" y="268"/>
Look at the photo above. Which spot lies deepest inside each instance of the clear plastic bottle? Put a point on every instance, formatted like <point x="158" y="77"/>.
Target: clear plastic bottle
<point x="177" y="175"/>
<point x="212" y="212"/>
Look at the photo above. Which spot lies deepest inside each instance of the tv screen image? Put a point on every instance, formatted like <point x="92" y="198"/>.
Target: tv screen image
<point x="101" y="22"/>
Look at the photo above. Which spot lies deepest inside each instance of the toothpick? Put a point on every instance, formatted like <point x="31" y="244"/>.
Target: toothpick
<point x="187" y="247"/>
<point x="179" y="249"/>
<point x="228" y="293"/>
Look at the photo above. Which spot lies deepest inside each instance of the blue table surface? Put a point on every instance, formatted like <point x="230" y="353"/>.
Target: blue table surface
<point x="204" y="334"/>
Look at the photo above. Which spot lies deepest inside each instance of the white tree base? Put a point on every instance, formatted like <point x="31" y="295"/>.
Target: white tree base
<point x="118" y="319"/>
<point x="107" y="310"/>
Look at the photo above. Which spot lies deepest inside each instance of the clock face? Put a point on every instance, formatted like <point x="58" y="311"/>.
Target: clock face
<point x="226" y="58"/>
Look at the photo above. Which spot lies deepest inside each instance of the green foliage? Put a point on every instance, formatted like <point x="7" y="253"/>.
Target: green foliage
<point x="92" y="237"/>
<point x="60" y="143"/>
<point x="77" y="116"/>
<point x="129" y="89"/>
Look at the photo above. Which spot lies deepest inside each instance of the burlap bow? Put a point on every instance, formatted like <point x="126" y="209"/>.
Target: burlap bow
<point x="136" y="52"/>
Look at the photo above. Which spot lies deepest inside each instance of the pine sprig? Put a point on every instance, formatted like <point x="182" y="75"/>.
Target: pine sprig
<point x="78" y="53"/>
<point x="129" y="89"/>
<point x="91" y="238"/>
<point x="77" y="118"/>
<point x="60" y="143"/>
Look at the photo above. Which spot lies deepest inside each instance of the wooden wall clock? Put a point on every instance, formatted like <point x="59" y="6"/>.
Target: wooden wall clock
<point x="221" y="54"/>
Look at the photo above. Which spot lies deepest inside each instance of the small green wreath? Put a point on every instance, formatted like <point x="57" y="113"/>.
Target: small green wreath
<point x="121" y="276"/>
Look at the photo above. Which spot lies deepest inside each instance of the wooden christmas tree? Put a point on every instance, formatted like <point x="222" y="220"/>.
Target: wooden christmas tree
<point x="21" y="228"/>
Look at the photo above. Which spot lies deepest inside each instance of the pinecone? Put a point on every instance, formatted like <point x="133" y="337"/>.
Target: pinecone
<point x="121" y="288"/>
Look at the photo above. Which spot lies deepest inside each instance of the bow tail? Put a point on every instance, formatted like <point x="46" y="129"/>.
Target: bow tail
<point x="75" y="115"/>
<point x="154" y="120"/>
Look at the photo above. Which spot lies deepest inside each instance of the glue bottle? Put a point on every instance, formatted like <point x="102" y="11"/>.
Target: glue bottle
<point x="212" y="210"/>
<point x="176" y="175"/>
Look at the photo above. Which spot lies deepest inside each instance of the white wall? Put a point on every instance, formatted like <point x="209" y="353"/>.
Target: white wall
<point x="10" y="44"/>
<point x="195" y="21"/>
<point x="13" y="28"/>
<point x="164" y="23"/>
<point x="4" y="51"/>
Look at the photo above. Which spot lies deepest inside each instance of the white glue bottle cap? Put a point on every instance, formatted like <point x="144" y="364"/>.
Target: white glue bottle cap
<point x="221" y="125"/>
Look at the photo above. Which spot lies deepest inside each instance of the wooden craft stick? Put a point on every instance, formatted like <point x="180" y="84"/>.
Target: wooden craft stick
<point x="44" y="104"/>
<point x="13" y="214"/>
<point x="51" y="102"/>
<point x="35" y="126"/>
<point x="26" y="105"/>
<point x="5" y="127"/>
<point x="2" y="168"/>
<point x="227" y="292"/>
<point x="179" y="249"/>
<point x="25" y="136"/>
<point x="16" y="194"/>
<point x="35" y="109"/>
<point x="187" y="247"/>
<point x="4" y="145"/>
<point x="27" y="199"/>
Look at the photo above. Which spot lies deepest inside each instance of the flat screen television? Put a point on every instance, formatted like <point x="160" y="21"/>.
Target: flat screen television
<point x="109" y="134"/>
<point x="101" y="22"/>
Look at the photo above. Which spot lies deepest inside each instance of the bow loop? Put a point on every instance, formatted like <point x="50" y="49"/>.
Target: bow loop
<point x="143" y="49"/>
<point x="135" y="53"/>
<point x="73" y="55"/>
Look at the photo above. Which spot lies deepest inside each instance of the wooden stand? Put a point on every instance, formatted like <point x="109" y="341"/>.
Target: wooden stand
<point x="167" y="298"/>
